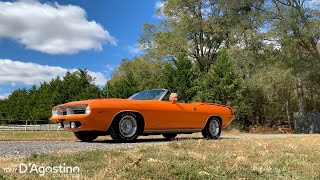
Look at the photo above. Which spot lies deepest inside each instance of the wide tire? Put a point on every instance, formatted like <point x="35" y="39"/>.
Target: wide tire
<point x="212" y="130"/>
<point x="125" y="128"/>
<point x="169" y="136"/>
<point x="86" y="136"/>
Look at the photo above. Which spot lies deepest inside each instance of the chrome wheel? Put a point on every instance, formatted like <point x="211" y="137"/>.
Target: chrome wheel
<point x="214" y="127"/>
<point x="128" y="126"/>
<point x="212" y="130"/>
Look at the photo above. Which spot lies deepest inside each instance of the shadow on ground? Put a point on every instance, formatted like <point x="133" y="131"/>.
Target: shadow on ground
<point x="159" y="140"/>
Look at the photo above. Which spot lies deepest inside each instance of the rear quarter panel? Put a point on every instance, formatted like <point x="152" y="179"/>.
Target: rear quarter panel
<point x="209" y="110"/>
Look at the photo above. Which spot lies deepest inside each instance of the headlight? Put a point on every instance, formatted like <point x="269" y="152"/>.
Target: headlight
<point x="69" y="111"/>
<point x="88" y="110"/>
<point x="57" y="112"/>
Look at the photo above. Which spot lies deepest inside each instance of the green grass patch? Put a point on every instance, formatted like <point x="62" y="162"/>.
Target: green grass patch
<point x="36" y="136"/>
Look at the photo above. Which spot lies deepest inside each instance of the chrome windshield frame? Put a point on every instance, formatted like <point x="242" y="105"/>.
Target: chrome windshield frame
<point x="165" y="91"/>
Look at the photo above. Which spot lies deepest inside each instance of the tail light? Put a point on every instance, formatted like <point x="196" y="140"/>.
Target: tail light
<point x="231" y="111"/>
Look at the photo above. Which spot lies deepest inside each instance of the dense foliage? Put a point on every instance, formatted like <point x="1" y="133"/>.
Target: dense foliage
<point x="260" y="57"/>
<point x="36" y="103"/>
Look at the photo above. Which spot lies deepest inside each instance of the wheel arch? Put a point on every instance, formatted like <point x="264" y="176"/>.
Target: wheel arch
<point x="139" y="115"/>
<point x="213" y="116"/>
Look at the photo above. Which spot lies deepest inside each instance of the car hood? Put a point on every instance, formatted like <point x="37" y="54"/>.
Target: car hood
<point x="93" y="101"/>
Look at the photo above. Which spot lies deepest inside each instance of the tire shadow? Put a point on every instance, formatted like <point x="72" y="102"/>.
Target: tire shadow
<point x="158" y="140"/>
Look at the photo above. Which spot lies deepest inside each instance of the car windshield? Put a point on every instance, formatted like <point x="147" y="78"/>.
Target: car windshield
<point x="156" y="94"/>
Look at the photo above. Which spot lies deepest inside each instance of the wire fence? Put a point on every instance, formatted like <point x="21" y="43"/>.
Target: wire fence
<point x="28" y="125"/>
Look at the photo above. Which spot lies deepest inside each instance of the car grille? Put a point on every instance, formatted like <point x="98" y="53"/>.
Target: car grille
<point x="69" y="111"/>
<point x="79" y="111"/>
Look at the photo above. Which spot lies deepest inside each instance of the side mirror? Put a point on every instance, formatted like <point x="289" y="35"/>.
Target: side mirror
<point x="173" y="98"/>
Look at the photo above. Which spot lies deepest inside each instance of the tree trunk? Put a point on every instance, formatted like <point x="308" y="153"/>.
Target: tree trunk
<point x="288" y="113"/>
<point x="313" y="101"/>
<point x="300" y="93"/>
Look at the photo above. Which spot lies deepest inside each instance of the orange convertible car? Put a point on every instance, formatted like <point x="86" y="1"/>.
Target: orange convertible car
<point x="144" y="113"/>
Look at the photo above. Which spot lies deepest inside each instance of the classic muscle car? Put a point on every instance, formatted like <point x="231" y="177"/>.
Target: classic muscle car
<point x="144" y="113"/>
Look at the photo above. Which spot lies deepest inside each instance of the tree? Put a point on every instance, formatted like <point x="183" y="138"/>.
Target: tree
<point x="196" y="26"/>
<point x="17" y="106"/>
<point x="123" y="87"/>
<point x="277" y="84"/>
<point x="135" y="75"/>
<point x="79" y="86"/>
<point x="297" y="28"/>
<point x="180" y="76"/>
<point x="36" y="103"/>
<point x="3" y="110"/>
<point x="199" y="27"/>
<point x="221" y="84"/>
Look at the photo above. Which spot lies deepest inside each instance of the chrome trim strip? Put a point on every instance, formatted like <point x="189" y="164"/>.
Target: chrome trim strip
<point x="164" y="94"/>
<point x="172" y="131"/>
<point x="161" y="97"/>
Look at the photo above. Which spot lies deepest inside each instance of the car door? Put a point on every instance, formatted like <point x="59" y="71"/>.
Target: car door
<point x="176" y="116"/>
<point x="192" y="116"/>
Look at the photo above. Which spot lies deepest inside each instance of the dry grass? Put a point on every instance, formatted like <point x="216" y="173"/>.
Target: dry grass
<point x="285" y="158"/>
<point x="263" y="130"/>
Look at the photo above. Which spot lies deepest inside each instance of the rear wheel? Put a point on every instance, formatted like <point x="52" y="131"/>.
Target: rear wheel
<point x="212" y="130"/>
<point x="125" y="128"/>
<point x="86" y="136"/>
<point x="169" y="136"/>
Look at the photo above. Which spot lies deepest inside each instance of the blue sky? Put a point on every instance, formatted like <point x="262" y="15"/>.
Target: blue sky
<point x="42" y="39"/>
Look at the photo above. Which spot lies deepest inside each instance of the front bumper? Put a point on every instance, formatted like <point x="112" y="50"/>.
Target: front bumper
<point x="95" y="121"/>
<point x="82" y="121"/>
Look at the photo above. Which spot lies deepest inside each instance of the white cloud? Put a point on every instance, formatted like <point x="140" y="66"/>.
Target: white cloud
<point x="314" y="4"/>
<point x="51" y="28"/>
<point x="100" y="78"/>
<point x="159" y="6"/>
<point x="4" y="96"/>
<point x="136" y="49"/>
<point x="16" y="72"/>
<point x="110" y="68"/>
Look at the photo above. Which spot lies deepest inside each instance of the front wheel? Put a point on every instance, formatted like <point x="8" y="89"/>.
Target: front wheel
<point x="125" y="129"/>
<point x="86" y="136"/>
<point x="169" y="136"/>
<point x="212" y="130"/>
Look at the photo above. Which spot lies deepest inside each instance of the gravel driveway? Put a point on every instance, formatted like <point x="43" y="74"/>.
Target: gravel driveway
<point x="26" y="148"/>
